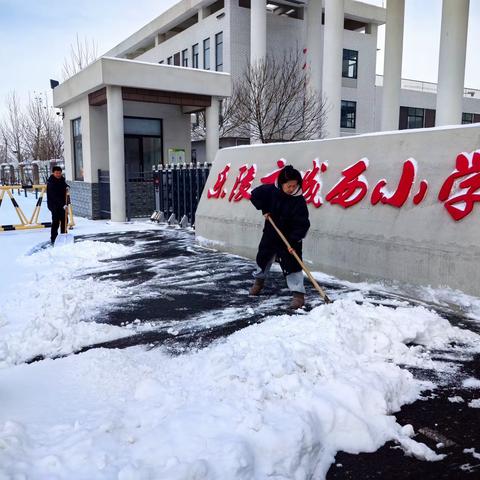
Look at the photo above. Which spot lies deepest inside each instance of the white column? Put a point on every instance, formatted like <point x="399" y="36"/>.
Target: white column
<point x="212" y="127"/>
<point x="258" y="30"/>
<point x="116" y="154"/>
<point x="392" y="65"/>
<point x="332" y="65"/>
<point x="451" y="66"/>
<point x="314" y="44"/>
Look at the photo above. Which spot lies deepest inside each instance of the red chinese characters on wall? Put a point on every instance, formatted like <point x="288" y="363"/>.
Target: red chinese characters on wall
<point x="459" y="192"/>
<point x="242" y="188"/>
<point x="218" y="190"/>
<point x="352" y="188"/>
<point x="271" y="178"/>
<point x="312" y="184"/>
<point x="404" y="187"/>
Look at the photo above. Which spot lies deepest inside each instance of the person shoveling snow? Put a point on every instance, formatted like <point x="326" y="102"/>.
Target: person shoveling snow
<point x="285" y="205"/>
<point x="57" y="204"/>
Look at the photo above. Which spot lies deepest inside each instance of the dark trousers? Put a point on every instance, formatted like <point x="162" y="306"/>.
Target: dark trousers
<point x="58" y="220"/>
<point x="270" y="248"/>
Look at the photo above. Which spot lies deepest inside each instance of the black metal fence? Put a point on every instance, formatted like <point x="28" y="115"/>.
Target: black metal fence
<point x="173" y="189"/>
<point x="140" y="194"/>
<point x="178" y="189"/>
<point x="104" y="193"/>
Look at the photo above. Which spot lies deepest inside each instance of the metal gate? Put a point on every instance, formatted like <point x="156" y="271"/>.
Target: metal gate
<point x="178" y="189"/>
<point x="174" y="189"/>
<point x="104" y="193"/>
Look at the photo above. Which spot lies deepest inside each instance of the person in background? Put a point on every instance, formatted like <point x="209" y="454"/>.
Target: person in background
<point x="285" y="204"/>
<point x="57" y="201"/>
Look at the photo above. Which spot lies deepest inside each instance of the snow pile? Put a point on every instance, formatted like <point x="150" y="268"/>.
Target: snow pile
<point x="52" y="312"/>
<point x="475" y="403"/>
<point x="275" y="400"/>
<point x="471" y="382"/>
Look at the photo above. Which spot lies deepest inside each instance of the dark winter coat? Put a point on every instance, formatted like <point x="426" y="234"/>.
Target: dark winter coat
<point x="56" y="193"/>
<point x="290" y="214"/>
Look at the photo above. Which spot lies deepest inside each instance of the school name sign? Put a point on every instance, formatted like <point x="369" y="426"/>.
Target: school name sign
<point x="458" y="193"/>
<point x="401" y="206"/>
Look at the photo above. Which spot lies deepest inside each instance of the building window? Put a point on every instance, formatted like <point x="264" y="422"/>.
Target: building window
<point x="350" y="63"/>
<point x="467" y="118"/>
<point x="195" y="56"/>
<point x="415" y="117"/>
<point x="143" y="140"/>
<point x="206" y="54"/>
<point x="185" y="58"/>
<point x="349" y="114"/>
<point x="77" y="149"/>
<point x="169" y="60"/>
<point x="219" y="52"/>
<point x="176" y="59"/>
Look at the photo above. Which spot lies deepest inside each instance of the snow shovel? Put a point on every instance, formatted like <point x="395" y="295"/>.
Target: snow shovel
<point x="65" y="238"/>
<point x="299" y="260"/>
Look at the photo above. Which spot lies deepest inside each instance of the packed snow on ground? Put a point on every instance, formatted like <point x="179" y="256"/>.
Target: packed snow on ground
<point x="46" y="307"/>
<point x="274" y="400"/>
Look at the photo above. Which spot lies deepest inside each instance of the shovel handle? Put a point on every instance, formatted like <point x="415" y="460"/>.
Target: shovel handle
<point x="299" y="260"/>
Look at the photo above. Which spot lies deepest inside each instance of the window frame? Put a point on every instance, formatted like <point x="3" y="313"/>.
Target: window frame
<point x="413" y="113"/>
<point x="195" y="55"/>
<point x="77" y="141"/>
<point x="141" y="136"/>
<point x="206" y="53"/>
<point x="466" y="122"/>
<point x="346" y="122"/>
<point x="185" y="57"/>
<point x="219" y="47"/>
<point x="347" y="57"/>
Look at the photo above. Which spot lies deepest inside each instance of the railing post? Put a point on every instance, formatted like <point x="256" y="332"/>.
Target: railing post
<point x="190" y="187"/>
<point x="184" y="181"/>
<point x="127" y="193"/>
<point x="177" y="190"/>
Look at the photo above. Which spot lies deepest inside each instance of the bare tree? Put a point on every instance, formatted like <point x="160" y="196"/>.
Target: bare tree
<point x="272" y="102"/>
<point x="82" y="53"/>
<point x="43" y="134"/>
<point x="11" y="129"/>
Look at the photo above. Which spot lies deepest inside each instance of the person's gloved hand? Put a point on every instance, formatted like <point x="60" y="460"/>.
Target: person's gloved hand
<point x="65" y="207"/>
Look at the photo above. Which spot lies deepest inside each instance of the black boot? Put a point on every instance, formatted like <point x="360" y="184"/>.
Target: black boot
<point x="257" y="287"/>
<point x="298" y="300"/>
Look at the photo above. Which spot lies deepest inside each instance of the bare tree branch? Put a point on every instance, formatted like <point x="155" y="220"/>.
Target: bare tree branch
<point x="82" y="53"/>
<point x="12" y="129"/>
<point x="43" y="134"/>
<point x="272" y="102"/>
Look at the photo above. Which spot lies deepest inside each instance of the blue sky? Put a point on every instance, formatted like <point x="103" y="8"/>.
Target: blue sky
<point x="35" y="37"/>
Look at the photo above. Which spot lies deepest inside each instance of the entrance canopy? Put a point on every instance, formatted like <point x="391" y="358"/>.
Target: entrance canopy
<point x="125" y="115"/>
<point x="154" y="82"/>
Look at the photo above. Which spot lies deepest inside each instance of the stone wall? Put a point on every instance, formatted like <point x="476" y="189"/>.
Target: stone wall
<point x="141" y="199"/>
<point x="85" y="199"/>
<point x="420" y="243"/>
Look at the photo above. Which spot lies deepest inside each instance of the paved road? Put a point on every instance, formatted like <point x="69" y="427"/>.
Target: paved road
<point x="189" y="296"/>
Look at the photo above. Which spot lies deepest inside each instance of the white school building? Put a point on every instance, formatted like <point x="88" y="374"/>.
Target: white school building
<point x="133" y="108"/>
